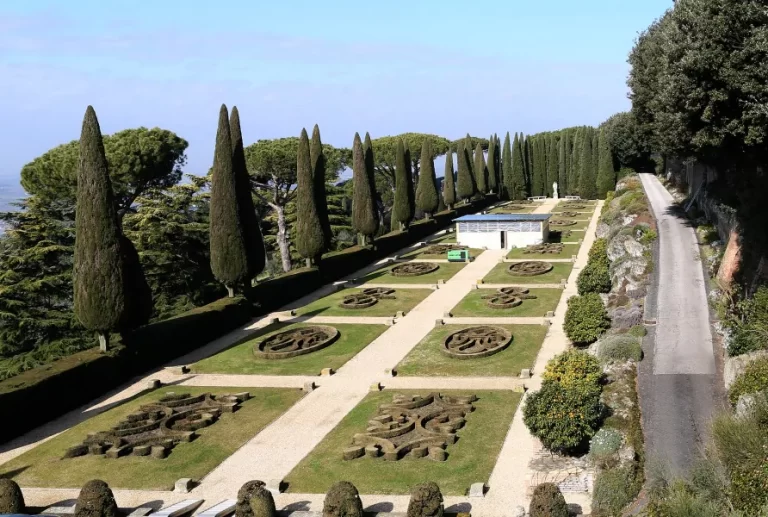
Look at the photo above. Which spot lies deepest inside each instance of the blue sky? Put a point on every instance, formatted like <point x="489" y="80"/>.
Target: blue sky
<point x="387" y="67"/>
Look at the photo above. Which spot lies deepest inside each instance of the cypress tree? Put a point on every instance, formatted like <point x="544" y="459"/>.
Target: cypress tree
<point x="470" y="163"/>
<point x="317" y="158"/>
<point x="401" y="212"/>
<point x="110" y="291"/>
<point x="310" y="239"/>
<point x="465" y="187"/>
<point x="506" y="169"/>
<point x="553" y="165"/>
<point x="587" y="180"/>
<point x="529" y="165"/>
<point x="537" y="181"/>
<point x="481" y="172"/>
<point x="493" y="184"/>
<point x="440" y="201"/>
<point x="411" y="177"/>
<point x="606" y="177"/>
<point x="365" y="217"/>
<point x="566" y="162"/>
<point x="561" y="167"/>
<point x="573" y="179"/>
<point x="427" y="198"/>
<point x="518" y="170"/>
<point x="254" y="242"/>
<point x="449" y="190"/>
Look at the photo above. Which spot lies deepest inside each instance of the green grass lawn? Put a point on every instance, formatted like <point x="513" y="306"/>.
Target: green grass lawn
<point x="518" y="253"/>
<point x="405" y="300"/>
<point x="574" y="237"/>
<point x="473" y="305"/>
<point x="504" y="210"/>
<point x="240" y="359"/>
<point x="470" y="459"/>
<point x="449" y="238"/>
<point x="499" y="275"/>
<point x="382" y="276"/>
<point x="42" y="466"/>
<point x="427" y="359"/>
<point x="581" y="223"/>
<point x="423" y="253"/>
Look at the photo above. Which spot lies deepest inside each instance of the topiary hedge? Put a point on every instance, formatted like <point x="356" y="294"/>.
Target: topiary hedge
<point x="595" y="277"/>
<point x="11" y="498"/>
<point x="342" y="500"/>
<point x="426" y="501"/>
<point x="96" y="500"/>
<point x="547" y="501"/>
<point x="244" y="496"/>
<point x="585" y="319"/>
<point x="753" y="380"/>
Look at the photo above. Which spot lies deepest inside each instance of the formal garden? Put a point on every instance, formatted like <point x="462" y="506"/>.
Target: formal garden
<point x="413" y="272"/>
<point x="508" y="302"/>
<point x="528" y="272"/>
<point x="368" y="302"/>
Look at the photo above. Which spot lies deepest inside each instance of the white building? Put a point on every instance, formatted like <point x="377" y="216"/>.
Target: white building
<point x="502" y="231"/>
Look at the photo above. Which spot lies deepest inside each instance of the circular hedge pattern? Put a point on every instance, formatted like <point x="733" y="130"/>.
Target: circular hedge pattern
<point x="561" y="222"/>
<point x="547" y="248"/>
<point x="474" y="342"/>
<point x="296" y="342"/>
<point x="529" y="268"/>
<point x="414" y="269"/>
<point x="358" y="301"/>
<point x="441" y="249"/>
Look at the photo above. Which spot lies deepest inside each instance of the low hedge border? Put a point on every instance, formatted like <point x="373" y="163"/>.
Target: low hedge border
<point x="68" y="383"/>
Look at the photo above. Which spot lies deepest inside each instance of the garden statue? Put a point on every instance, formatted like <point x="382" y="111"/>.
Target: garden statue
<point x="554" y="191"/>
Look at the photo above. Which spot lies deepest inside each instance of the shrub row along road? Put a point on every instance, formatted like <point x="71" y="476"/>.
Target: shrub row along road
<point x="678" y="375"/>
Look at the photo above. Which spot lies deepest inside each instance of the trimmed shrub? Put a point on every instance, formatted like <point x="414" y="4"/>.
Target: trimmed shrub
<point x="342" y="500"/>
<point x="638" y="331"/>
<point x="605" y="444"/>
<point x="585" y="319"/>
<point x="562" y="418"/>
<point x="620" y="347"/>
<point x="753" y="380"/>
<point x="244" y="496"/>
<point x="612" y="491"/>
<point x="574" y="369"/>
<point x="547" y="501"/>
<point x="599" y="251"/>
<point x="96" y="500"/>
<point x="11" y="498"/>
<point x="594" y="278"/>
<point x="262" y="503"/>
<point x="426" y="501"/>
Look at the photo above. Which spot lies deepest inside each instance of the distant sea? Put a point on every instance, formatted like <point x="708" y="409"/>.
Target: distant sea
<point x="10" y="191"/>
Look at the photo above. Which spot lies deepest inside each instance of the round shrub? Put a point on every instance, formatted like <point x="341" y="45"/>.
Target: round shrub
<point x="244" y="495"/>
<point x="753" y="380"/>
<point x="96" y="500"/>
<point x="11" y="498"/>
<point x="548" y="501"/>
<point x="574" y="369"/>
<point x="638" y="331"/>
<point x="342" y="500"/>
<point x="562" y="418"/>
<point x="585" y="319"/>
<point x="594" y="278"/>
<point x="262" y="503"/>
<point x="426" y="501"/>
<point x="620" y="347"/>
<point x="613" y="491"/>
<point x="605" y="443"/>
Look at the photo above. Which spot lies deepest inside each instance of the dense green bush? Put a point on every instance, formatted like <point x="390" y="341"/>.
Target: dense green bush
<point x="620" y="347"/>
<point x="562" y="418"/>
<point x="11" y="498"/>
<point x="244" y="495"/>
<point x="96" y="500"/>
<point x="547" y="501"/>
<point x="612" y="491"/>
<point x="746" y="338"/>
<point x="342" y="500"/>
<point x="585" y="319"/>
<point x="599" y="251"/>
<point x="426" y="501"/>
<point x="594" y="278"/>
<point x="574" y="369"/>
<point x="754" y="379"/>
<point x="638" y="331"/>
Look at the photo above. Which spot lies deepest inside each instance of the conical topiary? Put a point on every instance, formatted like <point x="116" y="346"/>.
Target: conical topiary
<point x="342" y="500"/>
<point x="402" y="212"/>
<point x="310" y="239"/>
<point x="110" y="291"/>
<point x="365" y="217"/>
<point x="96" y="500"/>
<point x="493" y="171"/>
<point x="481" y="172"/>
<point x="426" y="501"/>
<point x="547" y="501"/>
<point x="465" y="185"/>
<point x="11" y="498"/>
<point x="244" y="496"/>
<point x="508" y="185"/>
<point x="427" y="198"/>
<point x="449" y="191"/>
<point x="317" y="156"/>
<point x="262" y="503"/>
<point x="518" y="170"/>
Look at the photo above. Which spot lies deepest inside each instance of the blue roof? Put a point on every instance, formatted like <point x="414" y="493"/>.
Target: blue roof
<point x="504" y="217"/>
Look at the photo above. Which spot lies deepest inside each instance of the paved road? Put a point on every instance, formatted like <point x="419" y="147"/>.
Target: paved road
<point x="678" y="376"/>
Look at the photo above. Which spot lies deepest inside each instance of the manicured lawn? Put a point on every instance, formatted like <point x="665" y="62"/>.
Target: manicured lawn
<point x="43" y="465"/>
<point x="519" y="253"/>
<point x="427" y="359"/>
<point x="581" y="223"/>
<point x="474" y="305"/>
<point x="241" y="359"/>
<point x="405" y="300"/>
<point x="499" y="275"/>
<point x="470" y="459"/>
<point x="504" y="210"/>
<point x="449" y="238"/>
<point x="423" y="253"/>
<point x="444" y="272"/>
<point x="574" y="237"/>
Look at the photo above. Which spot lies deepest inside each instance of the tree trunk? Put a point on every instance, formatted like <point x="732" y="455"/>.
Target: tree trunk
<point x="103" y="342"/>
<point x="282" y="239"/>
<point x="230" y="291"/>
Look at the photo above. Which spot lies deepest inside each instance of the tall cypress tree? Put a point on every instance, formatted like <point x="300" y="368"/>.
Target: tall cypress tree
<point x="310" y="240"/>
<point x="317" y="157"/>
<point x="401" y="212"/>
<point x="606" y="176"/>
<point x="411" y="186"/>
<point x="254" y="241"/>
<point x="506" y="169"/>
<point x="110" y="291"/>
<point x="481" y="172"/>
<point x="491" y="166"/>
<point x="365" y="216"/>
<point x="449" y="190"/>
<point x="553" y="165"/>
<point x="518" y="170"/>
<point x="465" y="187"/>
<point x="566" y="189"/>
<point x="470" y="162"/>
<point x="230" y="262"/>
<point x="529" y="165"/>
<point x="537" y="181"/>
<point x="587" y="180"/>
<point x="574" y="178"/>
<point x="427" y="198"/>
<point x="561" y="167"/>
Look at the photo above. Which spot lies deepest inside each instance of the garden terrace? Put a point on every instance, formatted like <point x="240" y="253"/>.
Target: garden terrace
<point x="399" y="300"/>
<point x="536" y="304"/>
<point x="384" y="276"/>
<point x="566" y="251"/>
<point x="499" y="275"/>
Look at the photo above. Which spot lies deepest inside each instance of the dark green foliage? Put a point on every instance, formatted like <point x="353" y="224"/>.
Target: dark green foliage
<point x="575" y="171"/>
<point x="753" y="380"/>
<point x="365" y="217"/>
<point x="262" y="503"/>
<point x="587" y="178"/>
<point x="518" y="169"/>
<point x="310" y="238"/>
<point x="317" y="156"/>
<point x="11" y="498"/>
<point x="110" y="292"/>
<point x="96" y="500"/>
<point x="427" y="197"/>
<point x="613" y="491"/>
<point x="527" y="144"/>
<point x="751" y="330"/>
<point x="412" y="177"/>
<point x="244" y="496"/>
<point x="628" y="147"/>
<point x="342" y="500"/>
<point x="585" y="319"/>
<point x="426" y="500"/>
<point x="553" y="165"/>
<point x="493" y="165"/>
<point x="465" y="184"/>
<point x="402" y="210"/>
<point x="576" y="370"/>
<point x="563" y="418"/>
<point x="547" y="501"/>
<point x="507" y="184"/>
<point x="595" y="277"/>
<point x="606" y="176"/>
<point x="449" y="190"/>
<point x="638" y="331"/>
<point x="481" y="172"/>
<point x="539" y="168"/>
<point x="562" y="166"/>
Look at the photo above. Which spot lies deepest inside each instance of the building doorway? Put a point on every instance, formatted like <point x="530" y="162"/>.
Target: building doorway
<point x="503" y="240"/>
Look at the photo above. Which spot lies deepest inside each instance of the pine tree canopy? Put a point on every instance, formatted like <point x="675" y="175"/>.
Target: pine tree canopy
<point x="427" y="197"/>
